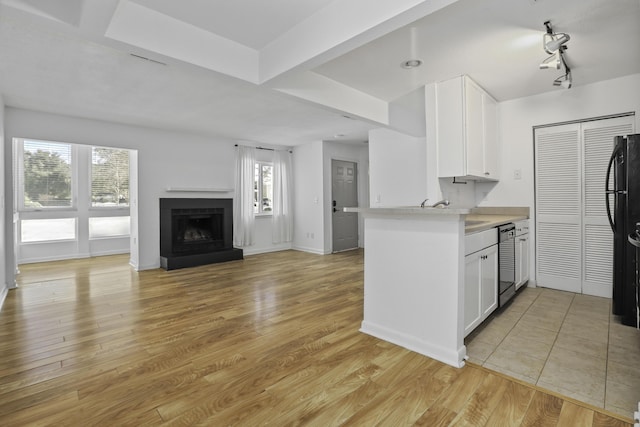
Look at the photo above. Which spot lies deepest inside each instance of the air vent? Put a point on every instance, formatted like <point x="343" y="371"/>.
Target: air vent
<point x="147" y="59"/>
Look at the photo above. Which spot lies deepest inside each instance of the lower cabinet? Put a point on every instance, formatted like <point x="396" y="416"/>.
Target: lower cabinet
<point x="480" y="286"/>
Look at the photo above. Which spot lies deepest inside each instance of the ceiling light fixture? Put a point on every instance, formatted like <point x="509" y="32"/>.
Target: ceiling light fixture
<point x="551" y="62"/>
<point x="554" y="45"/>
<point x="411" y="63"/>
<point x="565" y="80"/>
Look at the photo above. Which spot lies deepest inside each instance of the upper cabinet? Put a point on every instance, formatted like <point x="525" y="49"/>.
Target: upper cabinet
<point x="466" y="130"/>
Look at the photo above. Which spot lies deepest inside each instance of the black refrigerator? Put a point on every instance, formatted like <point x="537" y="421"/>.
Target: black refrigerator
<point x="623" y="210"/>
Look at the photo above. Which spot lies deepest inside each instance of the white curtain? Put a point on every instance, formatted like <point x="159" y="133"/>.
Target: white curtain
<point x="243" y="216"/>
<point x="282" y="214"/>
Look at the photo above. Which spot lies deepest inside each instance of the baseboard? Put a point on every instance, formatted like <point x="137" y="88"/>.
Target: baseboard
<point x="147" y="266"/>
<point x="74" y="256"/>
<point x="310" y="250"/>
<point x="3" y="295"/>
<point x="454" y="358"/>
<point x="255" y="251"/>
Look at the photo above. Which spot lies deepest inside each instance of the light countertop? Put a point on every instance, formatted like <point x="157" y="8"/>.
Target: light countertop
<point x="410" y="210"/>
<point x="476" y="219"/>
<point x="479" y="222"/>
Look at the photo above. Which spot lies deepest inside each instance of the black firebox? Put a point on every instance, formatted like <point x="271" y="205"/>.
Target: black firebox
<point x="196" y="232"/>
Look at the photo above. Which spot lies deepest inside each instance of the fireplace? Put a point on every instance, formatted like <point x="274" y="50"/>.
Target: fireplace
<point x="196" y="232"/>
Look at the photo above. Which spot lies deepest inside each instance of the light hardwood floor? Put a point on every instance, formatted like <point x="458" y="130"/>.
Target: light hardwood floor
<point x="269" y="340"/>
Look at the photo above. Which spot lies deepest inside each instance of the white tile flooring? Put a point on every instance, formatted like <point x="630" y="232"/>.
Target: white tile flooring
<point x="568" y="343"/>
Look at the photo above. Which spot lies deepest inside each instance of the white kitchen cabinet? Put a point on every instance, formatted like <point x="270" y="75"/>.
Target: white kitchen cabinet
<point x="522" y="253"/>
<point x="466" y="130"/>
<point x="481" y="278"/>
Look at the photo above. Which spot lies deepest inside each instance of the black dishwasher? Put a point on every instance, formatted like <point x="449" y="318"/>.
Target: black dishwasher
<point x="507" y="263"/>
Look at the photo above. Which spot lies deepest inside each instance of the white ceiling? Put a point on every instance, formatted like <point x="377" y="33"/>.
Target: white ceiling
<point x="230" y="67"/>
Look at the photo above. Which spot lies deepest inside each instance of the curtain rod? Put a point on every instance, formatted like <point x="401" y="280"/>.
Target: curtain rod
<point x="263" y="148"/>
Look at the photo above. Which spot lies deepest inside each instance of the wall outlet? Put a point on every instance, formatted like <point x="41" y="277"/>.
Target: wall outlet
<point x="517" y="174"/>
<point x="377" y="198"/>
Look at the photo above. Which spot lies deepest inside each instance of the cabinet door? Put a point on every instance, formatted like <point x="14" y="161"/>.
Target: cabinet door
<point x="472" y="313"/>
<point x="522" y="266"/>
<point x="474" y="128"/>
<point x="490" y="155"/>
<point x="450" y="127"/>
<point x="489" y="280"/>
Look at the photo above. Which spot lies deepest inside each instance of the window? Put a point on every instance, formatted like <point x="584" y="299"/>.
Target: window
<point x="109" y="177"/>
<point x="263" y="189"/>
<point x="46" y="175"/>
<point x="47" y="230"/>
<point x="112" y="226"/>
<point x="70" y="192"/>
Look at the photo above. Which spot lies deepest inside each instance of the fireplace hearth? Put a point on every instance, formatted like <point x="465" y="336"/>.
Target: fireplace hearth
<point x="196" y="232"/>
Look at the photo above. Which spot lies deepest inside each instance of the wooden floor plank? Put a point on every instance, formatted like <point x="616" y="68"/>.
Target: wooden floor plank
<point x="272" y="339"/>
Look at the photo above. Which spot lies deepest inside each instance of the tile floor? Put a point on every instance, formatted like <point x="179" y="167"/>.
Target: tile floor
<point x="568" y="343"/>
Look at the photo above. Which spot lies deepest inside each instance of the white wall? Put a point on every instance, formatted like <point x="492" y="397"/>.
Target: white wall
<point x="358" y="154"/>
<point x="4" y="282"/>
<point x="308" y="198"/>
<point x="519" y="116"/>
<point x="165" y="159"/>
<point x="398" y="169"/>
<point x="312" y="192"/>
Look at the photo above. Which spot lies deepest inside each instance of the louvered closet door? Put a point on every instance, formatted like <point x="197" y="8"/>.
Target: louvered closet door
<point x="558" y="207"/>
<point x="597" y="139"/>
<point x="574" y="244"/>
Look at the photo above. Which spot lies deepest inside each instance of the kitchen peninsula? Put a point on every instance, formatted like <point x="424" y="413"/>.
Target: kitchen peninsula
<point x="414" y="275"/>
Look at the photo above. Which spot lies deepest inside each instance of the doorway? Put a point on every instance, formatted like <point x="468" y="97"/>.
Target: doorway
<point x="344" y="193"/>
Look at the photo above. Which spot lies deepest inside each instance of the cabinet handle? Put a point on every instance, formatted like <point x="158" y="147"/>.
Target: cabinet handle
<point x="523" y="240"/>
<point x="487" y="173"/>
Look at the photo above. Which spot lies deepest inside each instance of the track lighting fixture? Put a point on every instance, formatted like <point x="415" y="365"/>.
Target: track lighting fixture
<point x="554" y="45"/>
<point x="551" y="62"/>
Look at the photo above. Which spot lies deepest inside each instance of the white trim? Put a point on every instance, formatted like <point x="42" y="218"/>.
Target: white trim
<point x="74" y="256"/>
<point x="146" y="267"/>
<point x="311" y="250"/>
<point x="453" y="358"/>
<point x="3" y="295"/>
<point x="256" y="251"/>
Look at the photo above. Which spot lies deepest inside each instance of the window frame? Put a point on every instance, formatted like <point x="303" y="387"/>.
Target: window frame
<point x="90" y="205"/>
<point x="21" y="179"/>
<point x="260" y="185"/>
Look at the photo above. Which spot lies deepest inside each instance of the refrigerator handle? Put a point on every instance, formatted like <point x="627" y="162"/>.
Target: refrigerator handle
<point x="608" y="191"/>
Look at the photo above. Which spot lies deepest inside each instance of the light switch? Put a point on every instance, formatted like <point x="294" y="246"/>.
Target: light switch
<point x="517" y="174"/>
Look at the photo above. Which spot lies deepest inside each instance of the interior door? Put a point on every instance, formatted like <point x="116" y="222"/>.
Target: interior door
<point x="344" y="185"/>
<point x="598" y="137"/>
<point x="558" y="207"/>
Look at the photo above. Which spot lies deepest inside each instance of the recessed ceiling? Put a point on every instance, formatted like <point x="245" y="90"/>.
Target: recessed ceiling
<point x="251" y="23"/>
<point x="320" y="59"/>
<point x="499" y="44"/>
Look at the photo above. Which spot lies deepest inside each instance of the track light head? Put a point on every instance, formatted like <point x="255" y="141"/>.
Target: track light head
<point x="555" y="41"/>
<point x="552" y="62"/>
<point x="554" y="45"/>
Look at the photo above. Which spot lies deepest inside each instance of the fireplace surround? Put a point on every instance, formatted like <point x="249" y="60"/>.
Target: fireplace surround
<point x="196" y="232"/>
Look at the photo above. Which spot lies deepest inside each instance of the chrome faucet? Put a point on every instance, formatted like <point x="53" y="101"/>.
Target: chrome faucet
<point x="442" y="203"/>
<point x="423" y="202"/>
